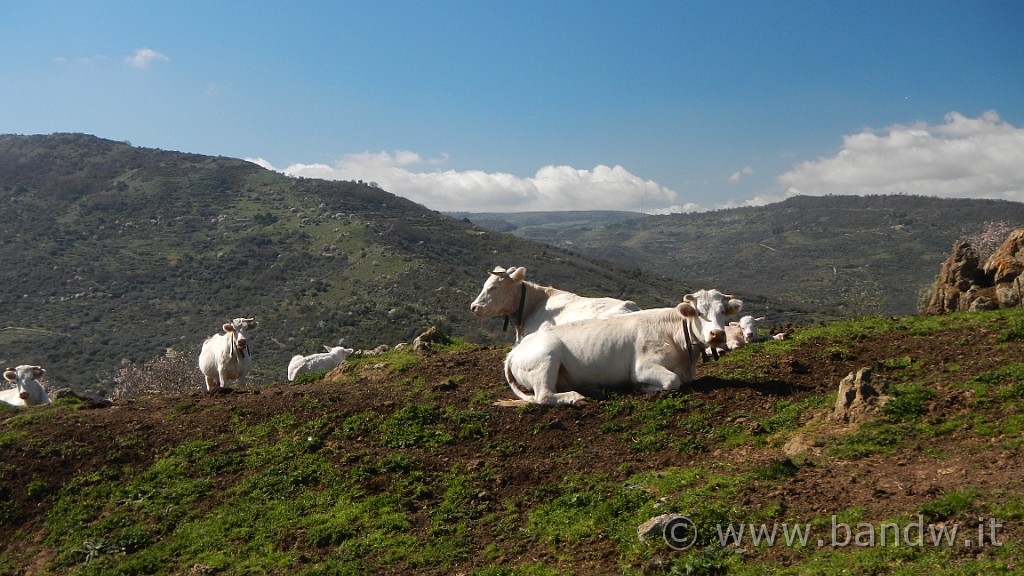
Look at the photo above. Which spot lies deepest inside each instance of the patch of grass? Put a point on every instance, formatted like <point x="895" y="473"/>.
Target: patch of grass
<point x="415" y="425"/>
<point x="309" y="377"/>
<point x="31" y="416"/>
<point x="1014" y="331"/>
<point x="582" y="509"/>
<point x="949" y="505"/>
<point x="11" y="437"/>
<point x="873" y="437"/>
<point x="907" y="402"/>
<point x="838" y="353"/>
<point x="787" y="415"/>
<point x="467" y="423"/>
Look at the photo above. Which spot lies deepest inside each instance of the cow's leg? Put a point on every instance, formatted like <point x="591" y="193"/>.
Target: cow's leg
<point x="566" y="398"/>
<point x="211" y="384"/>
<point x="538" y="372"/>
<point x="656" y="378"/>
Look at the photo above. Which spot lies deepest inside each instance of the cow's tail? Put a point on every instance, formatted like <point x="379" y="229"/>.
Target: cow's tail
<point x="514" y="385"/>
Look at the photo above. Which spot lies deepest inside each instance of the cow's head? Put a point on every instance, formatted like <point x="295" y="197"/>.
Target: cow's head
<point x="339" y="351"/>
<point x="706" y="310"/>
<point x="25" y="378"/>
<point x="748" y="324"/>
<point x="239" y="329"/>
<point x="500" y="294"/>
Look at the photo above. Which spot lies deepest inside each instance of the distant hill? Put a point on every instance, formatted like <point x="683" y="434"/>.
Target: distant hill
<point x="842" y="255"/>
<point x="547" y="227"/>
<point x="111" y="254"/>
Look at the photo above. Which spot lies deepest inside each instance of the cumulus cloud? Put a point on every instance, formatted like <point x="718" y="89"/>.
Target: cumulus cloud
<point x="143" y="57"/>
<point x="738" y="175"/>
<point x="409" y="175"/>
<point x="961" y="158"/>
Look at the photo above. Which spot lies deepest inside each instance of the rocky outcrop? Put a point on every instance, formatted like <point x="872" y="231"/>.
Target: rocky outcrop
<point x="858" y="399"/>
<point x="964" y="285"/>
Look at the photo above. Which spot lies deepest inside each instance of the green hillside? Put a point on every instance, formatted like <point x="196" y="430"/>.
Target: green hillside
<point x="111" y="254"/>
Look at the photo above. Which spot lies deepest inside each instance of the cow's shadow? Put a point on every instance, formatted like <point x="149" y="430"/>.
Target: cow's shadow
<point x="772" y="388"/>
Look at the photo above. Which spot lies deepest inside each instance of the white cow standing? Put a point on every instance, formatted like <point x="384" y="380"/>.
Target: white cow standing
<point x="318" y="362"/>
<point x="27" y="390"/>
<point x="533" y="307"/>
<point x="649" y="351"/>
<point x="226" y="357"/>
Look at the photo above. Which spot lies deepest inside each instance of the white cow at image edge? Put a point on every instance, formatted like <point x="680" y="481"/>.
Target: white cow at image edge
<point x="27" y="390"/>
<point x="318" y="362"/>
<point x="227" y="357"/>
<point x="533" y="307"/>
<point x="647" y="351"/>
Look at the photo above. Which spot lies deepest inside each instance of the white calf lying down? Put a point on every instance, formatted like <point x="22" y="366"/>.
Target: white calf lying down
<point x="739" y="334"/>
<point x="27" y="390"/>
<point x="648" y="351"/>
<point x="227" y="356"/>
<point x="532" y="307"/>
<point x="317" y="362"/>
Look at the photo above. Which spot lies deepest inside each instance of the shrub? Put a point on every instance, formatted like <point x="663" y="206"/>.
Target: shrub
<point x="173" y="373"/>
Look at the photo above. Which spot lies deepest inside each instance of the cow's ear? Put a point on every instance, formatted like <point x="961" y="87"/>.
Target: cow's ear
<point x="10" y="375"/>
<point x="686" y="309"/>
<point x="733" y="306"/>
<point x="38" y="372"/>
<point x="519" y="274"/>
<point x="734" y="324"/>
<point x="228" y="327"/>
<point x="253" y="325"/>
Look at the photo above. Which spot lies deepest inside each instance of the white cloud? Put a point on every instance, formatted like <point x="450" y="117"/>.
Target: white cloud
<point x="962" y="158"/>
<point x="737" y="176"/>
<point x="551" y="188"/>
<point x="143" y="57"/>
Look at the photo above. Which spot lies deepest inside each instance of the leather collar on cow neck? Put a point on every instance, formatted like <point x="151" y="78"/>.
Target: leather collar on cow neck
<point x="689" y="345"/>
<point x="519" y="312"/>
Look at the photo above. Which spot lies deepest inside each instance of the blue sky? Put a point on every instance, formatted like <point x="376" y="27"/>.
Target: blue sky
<point x="549" y="105"/>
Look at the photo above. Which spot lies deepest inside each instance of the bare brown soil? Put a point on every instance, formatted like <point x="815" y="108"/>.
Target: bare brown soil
<point x="882" y="485"/>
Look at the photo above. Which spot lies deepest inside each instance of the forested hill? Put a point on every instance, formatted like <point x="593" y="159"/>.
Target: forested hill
<point x="111" y="254"/>
<point x="832" y="255"/>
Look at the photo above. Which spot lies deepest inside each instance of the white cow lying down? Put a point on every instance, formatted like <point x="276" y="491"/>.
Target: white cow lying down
<point x="227" y="356"/>
<point x="739" y="334"/>
<point x="648" y="351"/>
<point x="533" y="307"/>
<point x="318" y="362"/>
<point x="27" y="390"/>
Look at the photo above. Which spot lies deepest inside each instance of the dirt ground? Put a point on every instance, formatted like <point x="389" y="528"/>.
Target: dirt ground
<point x="882" y="485"/>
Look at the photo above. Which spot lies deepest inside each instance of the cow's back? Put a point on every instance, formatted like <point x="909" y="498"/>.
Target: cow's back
<point x="11" y="396"/>
<point x="566" y="307"/>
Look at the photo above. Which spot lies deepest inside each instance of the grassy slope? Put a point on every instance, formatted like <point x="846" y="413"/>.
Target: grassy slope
<point x="401" y="464"/>
<point x="116" y="253"/>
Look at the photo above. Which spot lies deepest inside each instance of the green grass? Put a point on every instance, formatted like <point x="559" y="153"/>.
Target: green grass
<point x="313" y="491"/>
